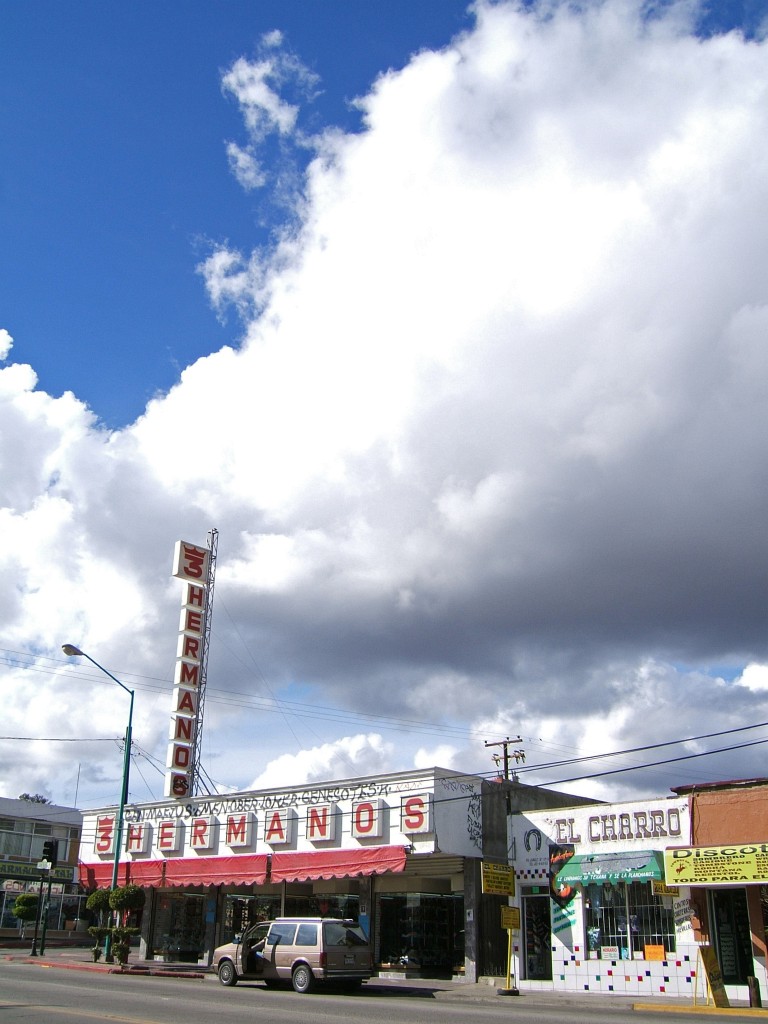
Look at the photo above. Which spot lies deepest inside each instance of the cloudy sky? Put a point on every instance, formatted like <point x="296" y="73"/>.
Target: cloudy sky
<point x="453" y="323"/>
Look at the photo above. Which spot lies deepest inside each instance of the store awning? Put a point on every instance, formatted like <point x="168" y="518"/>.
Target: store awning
<point x="140" y="872"/>
<point x="246" y="869"/>
<point x="612" y="867"/>
<point x="370" y="860"/>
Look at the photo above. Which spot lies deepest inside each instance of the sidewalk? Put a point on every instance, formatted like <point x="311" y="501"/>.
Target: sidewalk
<point x="78" y="958"/>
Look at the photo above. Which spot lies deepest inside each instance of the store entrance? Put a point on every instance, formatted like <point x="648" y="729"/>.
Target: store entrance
<point x="537" y="938"/>
<point x="730" y="916"/>
<point x="179" y="927"/>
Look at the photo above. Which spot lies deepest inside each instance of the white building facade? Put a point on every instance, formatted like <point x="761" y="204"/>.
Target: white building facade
<point x="401" y="852"/>
<point x="596" y="912"/>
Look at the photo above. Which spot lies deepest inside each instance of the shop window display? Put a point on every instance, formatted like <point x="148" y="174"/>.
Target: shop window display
<point x="627" y="916"/>
<point x="421" y="931"/>
<point x="345" y="906"/>
<point x="241" y="911"/>
<point x="180" y="927"/>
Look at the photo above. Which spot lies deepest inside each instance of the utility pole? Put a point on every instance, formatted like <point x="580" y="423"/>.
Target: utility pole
<point x="519" y="755"/>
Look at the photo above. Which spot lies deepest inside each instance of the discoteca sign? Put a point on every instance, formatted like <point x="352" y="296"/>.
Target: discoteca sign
<point x="716" y="865"/>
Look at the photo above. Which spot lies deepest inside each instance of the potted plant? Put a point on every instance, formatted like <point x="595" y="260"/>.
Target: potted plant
<point x="123" y="901"/>
<point x="25" y="909"/>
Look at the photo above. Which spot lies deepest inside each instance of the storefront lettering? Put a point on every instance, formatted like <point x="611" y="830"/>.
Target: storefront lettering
<point x="708" y="853"/>
<point x="201" y="834"/>
<point x="137" y="839"/>
<point x="321" y="822"/>
<point x="105" y="834"/>
<point x="190" y="564"/>
<point x="233" y="820"/>
<point x="414" y="814"/>
<point x="239" y="830"/>
<point x="564" y="831"/>
<point x="655" y="823"/>
<point x="367" y="818"/>
<point x="168" y="836"/>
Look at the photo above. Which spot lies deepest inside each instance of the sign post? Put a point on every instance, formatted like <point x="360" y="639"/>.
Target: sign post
<point x="44" y="867"/>
<point x="510" y="920"/>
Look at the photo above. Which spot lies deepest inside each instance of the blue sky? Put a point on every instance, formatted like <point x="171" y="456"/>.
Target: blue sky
<point x="114" y="176"/>
<point x="114" y="173"/>
<point x="455" y="327"/>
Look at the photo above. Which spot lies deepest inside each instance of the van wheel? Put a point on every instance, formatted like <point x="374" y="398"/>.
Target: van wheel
<point x="303" y="978"/>
<point x="227" y="973"/>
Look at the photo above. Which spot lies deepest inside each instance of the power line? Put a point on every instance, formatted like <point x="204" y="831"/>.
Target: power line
<point x="656" y="764"/>
<point x="649" y="746"/>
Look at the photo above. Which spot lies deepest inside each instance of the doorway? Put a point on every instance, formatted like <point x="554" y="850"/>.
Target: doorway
<point x="730" y="916"/>
<point x="537" y="938"/>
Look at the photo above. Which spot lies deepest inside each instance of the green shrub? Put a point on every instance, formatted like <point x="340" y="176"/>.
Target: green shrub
<point x="127" y="897"/>
<point x="25" y="906"/>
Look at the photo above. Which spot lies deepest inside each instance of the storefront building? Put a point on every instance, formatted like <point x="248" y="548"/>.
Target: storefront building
<point x="596" y="913"/>
<point x="725" y="865"/>
<point x="24" y="828"/>
<point x="401" y="852"/>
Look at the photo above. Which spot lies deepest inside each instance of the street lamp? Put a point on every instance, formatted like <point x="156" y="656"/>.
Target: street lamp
<point x="74" y="652"/>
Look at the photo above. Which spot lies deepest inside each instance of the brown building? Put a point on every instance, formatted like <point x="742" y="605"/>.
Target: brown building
<point x="729" y="840"/>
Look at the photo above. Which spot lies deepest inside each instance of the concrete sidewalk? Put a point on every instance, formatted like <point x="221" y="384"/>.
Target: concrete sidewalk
<point x="79" y="958"/>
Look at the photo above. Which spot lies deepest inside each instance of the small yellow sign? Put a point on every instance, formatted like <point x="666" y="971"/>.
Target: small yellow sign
<point x="510" y="918"/>
<point x="498" y="879"/>
<point x="716" y="865"/>
<point x="714" y="975"/>
<point x="660" y="889"/>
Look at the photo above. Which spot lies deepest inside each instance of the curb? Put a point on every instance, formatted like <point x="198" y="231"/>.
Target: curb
<point x="135" y="972"/>
<point x="713" y="1011"/>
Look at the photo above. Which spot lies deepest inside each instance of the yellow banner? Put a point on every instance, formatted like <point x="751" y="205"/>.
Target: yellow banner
<point x="498" y="879"/>
<point x="716" y="865"/>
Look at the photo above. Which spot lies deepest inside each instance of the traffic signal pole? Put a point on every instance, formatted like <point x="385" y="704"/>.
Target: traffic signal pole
<point x="37" y="918"/>
<point x="46" y="905"/>
<point x="45" y="867"/>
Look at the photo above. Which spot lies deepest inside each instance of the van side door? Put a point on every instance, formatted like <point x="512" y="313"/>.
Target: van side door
<point x="279" y="948"/>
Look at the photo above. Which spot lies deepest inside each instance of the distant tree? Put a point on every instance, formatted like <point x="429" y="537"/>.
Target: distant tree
<point x="34" y="798"/>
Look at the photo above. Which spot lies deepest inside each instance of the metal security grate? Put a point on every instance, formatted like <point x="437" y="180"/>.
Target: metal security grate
<point x="629" y="916"/>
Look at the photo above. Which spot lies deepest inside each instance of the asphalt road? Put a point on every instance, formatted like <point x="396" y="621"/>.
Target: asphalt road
<point x="35" y="994"/>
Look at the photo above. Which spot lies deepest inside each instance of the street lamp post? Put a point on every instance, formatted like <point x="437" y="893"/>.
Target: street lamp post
<point x="74" y="652"/>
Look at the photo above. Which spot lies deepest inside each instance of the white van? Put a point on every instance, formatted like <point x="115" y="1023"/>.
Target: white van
<point x="299" y="950"/>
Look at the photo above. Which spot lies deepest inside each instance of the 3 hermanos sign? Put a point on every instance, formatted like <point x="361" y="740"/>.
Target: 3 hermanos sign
<point x="734" y="864"/>
<point x="403" y="808"/>
<point x="269" y="827"/>
<point x="190" y="564"/>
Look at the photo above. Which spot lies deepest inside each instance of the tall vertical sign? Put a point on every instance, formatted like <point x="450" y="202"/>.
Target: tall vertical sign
<point x="190" y="565"/>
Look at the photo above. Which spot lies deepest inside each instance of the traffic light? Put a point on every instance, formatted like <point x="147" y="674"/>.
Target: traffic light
<point x="51" y="851"/>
